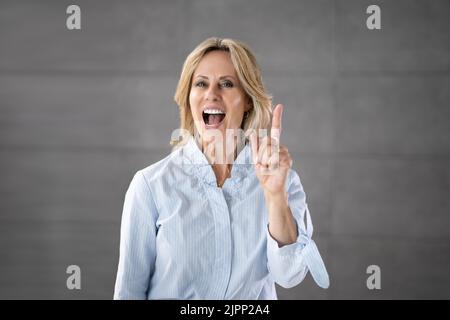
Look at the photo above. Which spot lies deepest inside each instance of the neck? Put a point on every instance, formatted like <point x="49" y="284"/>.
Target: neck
<point x="219" y="154"/>
<point x="221" y="157"/>
<point x="222" y="172"/>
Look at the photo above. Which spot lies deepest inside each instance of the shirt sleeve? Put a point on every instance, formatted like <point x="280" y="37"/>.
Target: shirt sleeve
<point x="137" y="241"/>
<point x="289" y="264"/>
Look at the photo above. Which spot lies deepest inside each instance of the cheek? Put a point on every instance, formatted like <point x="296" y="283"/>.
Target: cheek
<point x="238" y="101"/>
<point x="193" y="95"/>
<point x="237" y="104"/>
<point x="194" y="103"/>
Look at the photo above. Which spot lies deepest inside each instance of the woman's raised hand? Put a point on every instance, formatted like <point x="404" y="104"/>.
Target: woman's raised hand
<point x="272" y="160"/>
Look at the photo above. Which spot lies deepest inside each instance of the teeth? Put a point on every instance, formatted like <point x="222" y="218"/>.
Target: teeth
<point x="213" y="111"/>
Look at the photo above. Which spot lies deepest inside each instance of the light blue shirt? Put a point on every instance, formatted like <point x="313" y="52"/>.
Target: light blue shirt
<point x="182" y="237"/>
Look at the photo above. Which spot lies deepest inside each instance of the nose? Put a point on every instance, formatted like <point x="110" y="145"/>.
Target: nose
<point x="212" y="93"/>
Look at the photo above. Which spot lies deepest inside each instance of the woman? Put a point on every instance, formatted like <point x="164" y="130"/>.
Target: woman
<point x="221" y="217"/>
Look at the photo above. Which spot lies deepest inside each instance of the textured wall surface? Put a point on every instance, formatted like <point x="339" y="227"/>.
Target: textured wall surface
<point x="367" y="120"/>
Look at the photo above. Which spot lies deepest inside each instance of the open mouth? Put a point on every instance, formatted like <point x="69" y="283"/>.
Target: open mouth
<point x="213" y="117"/>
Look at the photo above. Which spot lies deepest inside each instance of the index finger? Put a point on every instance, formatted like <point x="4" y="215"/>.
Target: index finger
<point x="275" y="132"/>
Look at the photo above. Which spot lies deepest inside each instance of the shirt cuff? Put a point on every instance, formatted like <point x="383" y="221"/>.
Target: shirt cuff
<point x="303" y="251"/>
<point x="287" y="250"/>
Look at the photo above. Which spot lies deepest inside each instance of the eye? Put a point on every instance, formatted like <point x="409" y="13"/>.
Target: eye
<point x="227" y="84"/>
<point x="200" y="84"/>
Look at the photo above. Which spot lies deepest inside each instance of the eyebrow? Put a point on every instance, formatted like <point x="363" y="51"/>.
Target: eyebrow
<point x="222" y="77"/>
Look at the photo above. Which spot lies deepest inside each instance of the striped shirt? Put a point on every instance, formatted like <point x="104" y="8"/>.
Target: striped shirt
<point x="183" y="237"/>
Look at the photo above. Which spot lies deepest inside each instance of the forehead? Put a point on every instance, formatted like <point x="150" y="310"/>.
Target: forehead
<point x="215" y="63"/>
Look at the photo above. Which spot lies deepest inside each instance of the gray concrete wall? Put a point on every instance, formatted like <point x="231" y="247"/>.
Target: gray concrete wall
<point x="367" y="121"/>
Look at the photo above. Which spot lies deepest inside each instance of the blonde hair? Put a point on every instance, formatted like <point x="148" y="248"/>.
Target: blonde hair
<point x="249" y="74"/>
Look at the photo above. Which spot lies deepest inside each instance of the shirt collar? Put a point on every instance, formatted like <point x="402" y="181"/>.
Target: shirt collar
<point x="198" y="164"/>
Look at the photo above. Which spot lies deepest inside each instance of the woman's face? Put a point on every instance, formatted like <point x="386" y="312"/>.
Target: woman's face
<point x="217" y="98"/>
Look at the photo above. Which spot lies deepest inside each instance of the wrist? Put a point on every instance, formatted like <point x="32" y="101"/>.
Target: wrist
<point x="278" y="198"/>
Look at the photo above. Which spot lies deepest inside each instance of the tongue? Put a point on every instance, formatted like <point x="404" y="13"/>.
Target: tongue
<point x="215" y="118"/>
